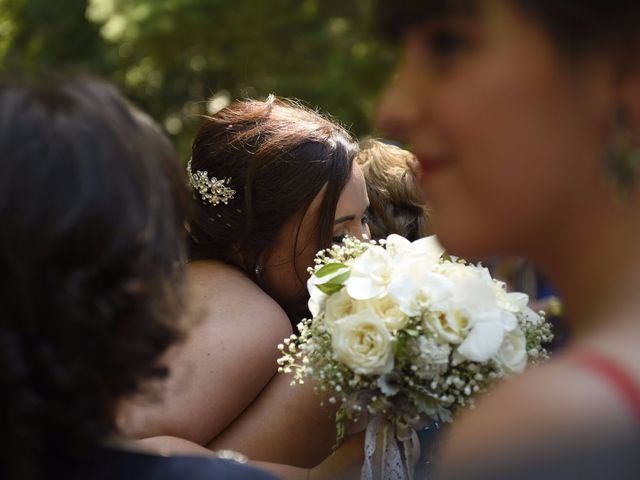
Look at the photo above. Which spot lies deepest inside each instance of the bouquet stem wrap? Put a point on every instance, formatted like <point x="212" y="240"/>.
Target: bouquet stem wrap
<point x="391" y="451"/>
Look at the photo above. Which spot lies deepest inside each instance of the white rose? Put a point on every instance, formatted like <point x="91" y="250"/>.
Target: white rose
<point x="512" y="356"/>
<point x="390" y="312"/>
<point x="362" y="342"/>
<point x="338" y="306"/>
<point x="451" y="326"/>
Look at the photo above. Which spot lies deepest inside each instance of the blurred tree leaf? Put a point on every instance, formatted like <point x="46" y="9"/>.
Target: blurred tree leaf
<point x="172" y="56"/>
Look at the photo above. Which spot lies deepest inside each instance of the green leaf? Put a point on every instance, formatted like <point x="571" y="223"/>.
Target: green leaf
<point x="329" y="268"/>
<point x="335" y="284"/>
<point x="330" y="288"/>
<point x="445" y="256"/>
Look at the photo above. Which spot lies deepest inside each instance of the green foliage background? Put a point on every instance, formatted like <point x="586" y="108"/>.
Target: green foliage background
<point x="179" y="59"/>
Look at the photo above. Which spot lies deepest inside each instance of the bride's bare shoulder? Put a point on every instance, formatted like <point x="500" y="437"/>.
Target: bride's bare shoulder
<point x="232" y="342"/>
<point x="224" y="293"/>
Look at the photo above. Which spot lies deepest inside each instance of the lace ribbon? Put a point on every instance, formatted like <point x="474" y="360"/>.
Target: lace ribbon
<point x="391" y="452"/>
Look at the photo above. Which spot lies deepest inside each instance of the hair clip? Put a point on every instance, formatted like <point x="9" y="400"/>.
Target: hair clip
<point x="211" y="190"/>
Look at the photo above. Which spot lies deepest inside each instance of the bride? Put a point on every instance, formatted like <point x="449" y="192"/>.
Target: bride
<point x="273" y="182"/>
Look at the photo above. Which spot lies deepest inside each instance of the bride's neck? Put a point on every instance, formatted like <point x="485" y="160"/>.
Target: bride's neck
<point x="595" y="263"/>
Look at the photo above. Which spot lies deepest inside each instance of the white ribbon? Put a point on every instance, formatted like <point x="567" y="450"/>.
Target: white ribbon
<point x="390" y="452"/>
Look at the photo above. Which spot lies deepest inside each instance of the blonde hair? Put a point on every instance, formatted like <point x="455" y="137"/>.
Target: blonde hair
<point x="396" y="206"/>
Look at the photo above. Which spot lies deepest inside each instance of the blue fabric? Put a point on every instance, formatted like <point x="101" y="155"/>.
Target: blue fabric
<point x="108" y="464"/>
<point x="428" y="447"/>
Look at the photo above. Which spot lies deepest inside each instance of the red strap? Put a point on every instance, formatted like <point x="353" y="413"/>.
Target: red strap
<point x="617" y="376"/>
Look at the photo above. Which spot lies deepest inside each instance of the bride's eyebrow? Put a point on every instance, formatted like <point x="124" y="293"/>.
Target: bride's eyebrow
<point x="346" y="218"/>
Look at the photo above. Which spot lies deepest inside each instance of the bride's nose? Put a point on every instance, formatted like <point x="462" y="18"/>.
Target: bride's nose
<point x="362" y="229"/>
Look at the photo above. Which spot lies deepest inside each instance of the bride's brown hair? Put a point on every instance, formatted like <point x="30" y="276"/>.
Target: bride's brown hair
<point x="278" y="156"/>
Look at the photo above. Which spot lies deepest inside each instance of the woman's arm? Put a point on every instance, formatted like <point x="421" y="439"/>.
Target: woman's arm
<point x="345" y="463"/>
<point x="225" y="362"/>
<point x="285" y="424"/>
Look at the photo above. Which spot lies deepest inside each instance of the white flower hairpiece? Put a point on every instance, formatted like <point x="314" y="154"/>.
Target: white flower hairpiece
<point x="212" y="190"/>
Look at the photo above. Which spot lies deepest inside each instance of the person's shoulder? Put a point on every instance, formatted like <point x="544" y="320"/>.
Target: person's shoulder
<point x="226" y="294"/>
<point x="556" y="402"/>
<point x="205" y="273"/>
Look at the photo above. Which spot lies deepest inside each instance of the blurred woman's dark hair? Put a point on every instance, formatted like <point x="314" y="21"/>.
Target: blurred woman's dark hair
<point x="278" y="156"/>
<point x="92" y="208"/>
<point x="577" y="27"/>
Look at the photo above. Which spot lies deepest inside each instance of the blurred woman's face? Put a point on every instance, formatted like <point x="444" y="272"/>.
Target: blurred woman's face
<point x="509" y="137"/>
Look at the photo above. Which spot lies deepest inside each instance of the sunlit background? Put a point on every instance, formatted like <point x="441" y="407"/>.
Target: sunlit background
<point x="179" y="59"/>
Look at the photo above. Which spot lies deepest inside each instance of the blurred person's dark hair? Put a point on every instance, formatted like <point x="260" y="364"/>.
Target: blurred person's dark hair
<point x="278" y="156"/>
<point x="92" y="206"/>
<point x="396" y="206"/>
<point x="577" y="27"/>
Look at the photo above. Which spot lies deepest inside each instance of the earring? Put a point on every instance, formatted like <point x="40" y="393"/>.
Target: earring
<point x="258" y="270"/>
<point x="623" y="155"/>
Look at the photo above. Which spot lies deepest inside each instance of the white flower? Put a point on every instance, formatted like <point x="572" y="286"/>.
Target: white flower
<point x="475" y="299"/>
<point x="362" y="342"/>
<point x="530" y="316"/>
<point x="337" y="306"/>
<point x="450" y="325"/>
<point x="370" y="274"/>
<point x="513" y="302"/>
<point x="401" y="264"/>
<point x="414" y="286"/>
<point x="433" y="359"/>
<point x="395" y="244"/>
<point x="316" y="297"/>
<point x="387" y="309"/>
<point x="428" y="247"/>
<point x="512" y="356"/>
<point x="389" y="384"/>
<point x="484" y="339"/>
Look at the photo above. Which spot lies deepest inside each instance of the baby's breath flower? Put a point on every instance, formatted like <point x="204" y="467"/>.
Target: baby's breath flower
<point x="426" y="375"/>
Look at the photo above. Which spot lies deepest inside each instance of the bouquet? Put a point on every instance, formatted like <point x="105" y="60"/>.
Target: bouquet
<point x="402" y="334"/>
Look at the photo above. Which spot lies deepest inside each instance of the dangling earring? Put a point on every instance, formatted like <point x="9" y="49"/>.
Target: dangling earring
<point x="623" y="155"/>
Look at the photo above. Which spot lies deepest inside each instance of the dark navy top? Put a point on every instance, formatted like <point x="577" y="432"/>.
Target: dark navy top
<point x="111" y="464"/>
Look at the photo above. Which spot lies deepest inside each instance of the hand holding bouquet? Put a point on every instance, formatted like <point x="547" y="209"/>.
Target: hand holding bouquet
<point x="402" y="333"/>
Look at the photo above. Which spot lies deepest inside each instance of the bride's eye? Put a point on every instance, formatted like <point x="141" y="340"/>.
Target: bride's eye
<point x="338" y="238"/>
